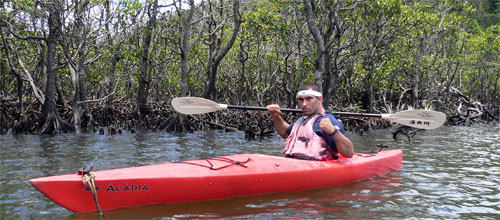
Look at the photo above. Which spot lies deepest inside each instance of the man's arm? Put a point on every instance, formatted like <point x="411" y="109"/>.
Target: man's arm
<point x="344" y="145"/>
<point x="280" y="124"/>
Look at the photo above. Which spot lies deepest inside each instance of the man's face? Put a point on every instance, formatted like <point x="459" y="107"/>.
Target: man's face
<point x="309" y="104"/>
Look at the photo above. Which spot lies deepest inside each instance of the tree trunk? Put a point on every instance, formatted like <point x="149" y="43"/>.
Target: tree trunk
<point x="114" y="59"/>
<point x="24" y="73"/>
<point x="243" y="57"/>
<point x="416" y="76"/>
<point x="215" y="59"/>
<point x="496" y="95"/>
<point x="320" y="43"/>
<point x="327" y="85"/>
<point x="369" y="81"/>
<point x="185" y="46"/>
<point x="210" y="92"/>
<point x="324" y="44"/>
<point x="82" y="91"/>
<point x="145" y="71"/>
<point x="50" y="121"/>
<point x="75" y="107"/>
<point x="19" y="79"/>
<point x="184" y="74"/>
<point x="59" y="92"/>
<point x="20" y="104"/>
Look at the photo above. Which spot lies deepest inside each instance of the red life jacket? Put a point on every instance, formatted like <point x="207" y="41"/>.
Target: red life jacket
<point x="303" y="142"/>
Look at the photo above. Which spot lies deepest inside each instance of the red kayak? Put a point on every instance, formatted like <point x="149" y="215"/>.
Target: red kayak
<point x="210" y="179"/>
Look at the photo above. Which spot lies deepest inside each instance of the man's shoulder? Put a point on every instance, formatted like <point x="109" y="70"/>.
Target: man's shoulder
<point x="328" y="115"/>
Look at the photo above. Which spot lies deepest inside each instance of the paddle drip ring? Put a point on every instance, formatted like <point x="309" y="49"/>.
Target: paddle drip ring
<point x="89" y="180"/>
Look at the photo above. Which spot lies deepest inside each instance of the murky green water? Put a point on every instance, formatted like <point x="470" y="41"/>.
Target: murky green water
<point x="448" y="173"/>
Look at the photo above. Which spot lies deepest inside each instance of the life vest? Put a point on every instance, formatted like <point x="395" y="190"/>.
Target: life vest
<point x="303" y="142"/>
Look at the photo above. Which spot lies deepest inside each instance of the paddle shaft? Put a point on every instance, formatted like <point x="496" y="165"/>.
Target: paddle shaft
<point x="300" y="110"/>
<point x="242" y="107"/>
<point x="423" y="119"/>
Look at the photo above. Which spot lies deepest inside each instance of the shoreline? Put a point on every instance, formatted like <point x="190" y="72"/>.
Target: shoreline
<point x="122" y="117"/>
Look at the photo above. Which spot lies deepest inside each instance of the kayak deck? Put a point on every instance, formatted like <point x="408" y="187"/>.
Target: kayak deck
<point x="210" y="179"/>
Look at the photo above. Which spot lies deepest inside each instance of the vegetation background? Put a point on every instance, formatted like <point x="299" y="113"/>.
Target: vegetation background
<point x="80" y="65"/>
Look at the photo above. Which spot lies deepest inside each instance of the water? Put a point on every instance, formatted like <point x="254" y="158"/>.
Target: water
<point x="448" y="173"/>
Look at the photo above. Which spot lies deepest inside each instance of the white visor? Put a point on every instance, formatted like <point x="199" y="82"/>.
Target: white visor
<point x="309" y="92"/>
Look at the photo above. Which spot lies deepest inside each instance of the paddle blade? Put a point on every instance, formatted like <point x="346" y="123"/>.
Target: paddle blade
<point x="195" y="105"/>
<point x="423" y="119"/>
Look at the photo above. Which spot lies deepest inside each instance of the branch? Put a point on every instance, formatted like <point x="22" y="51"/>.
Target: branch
<point x="27" y="76"/>
<point x="9" y="28"/>
<point x="103" y="98"/>
<point x="312" y="27"/>
<point x="237" y="22"/>
<point x="216" y="28"/>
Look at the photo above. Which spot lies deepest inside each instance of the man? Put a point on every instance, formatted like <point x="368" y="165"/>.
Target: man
<point x="314" y="136"/>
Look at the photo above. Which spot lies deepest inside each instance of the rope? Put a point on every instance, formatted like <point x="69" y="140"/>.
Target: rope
<point x="89" y="180"/>
<point x="223" y="159"/>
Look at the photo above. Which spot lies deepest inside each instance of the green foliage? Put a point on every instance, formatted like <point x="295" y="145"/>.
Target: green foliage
<point x="481" y="69"/>
<point x="385" y="42"/>
<point x="487" y="12"/>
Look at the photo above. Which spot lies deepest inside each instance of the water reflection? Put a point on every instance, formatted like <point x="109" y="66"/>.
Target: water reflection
<point x="451" y="172"/>
<point x="458" y="171"/>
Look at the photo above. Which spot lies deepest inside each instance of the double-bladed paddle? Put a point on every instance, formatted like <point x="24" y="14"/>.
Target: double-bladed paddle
<point x="423" y="119"/>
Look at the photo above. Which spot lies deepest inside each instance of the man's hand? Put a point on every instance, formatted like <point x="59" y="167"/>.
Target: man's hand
<point x="326" y="125"/>
<point x="280" y="125"/>
<point x="344" y="145"/>
<point x="274" y="110"/>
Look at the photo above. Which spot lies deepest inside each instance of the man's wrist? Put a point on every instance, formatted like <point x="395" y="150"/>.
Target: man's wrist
<point x="335" y="130"/>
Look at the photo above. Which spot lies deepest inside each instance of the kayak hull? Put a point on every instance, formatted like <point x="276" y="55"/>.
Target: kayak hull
<point x="211" y="179"/>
